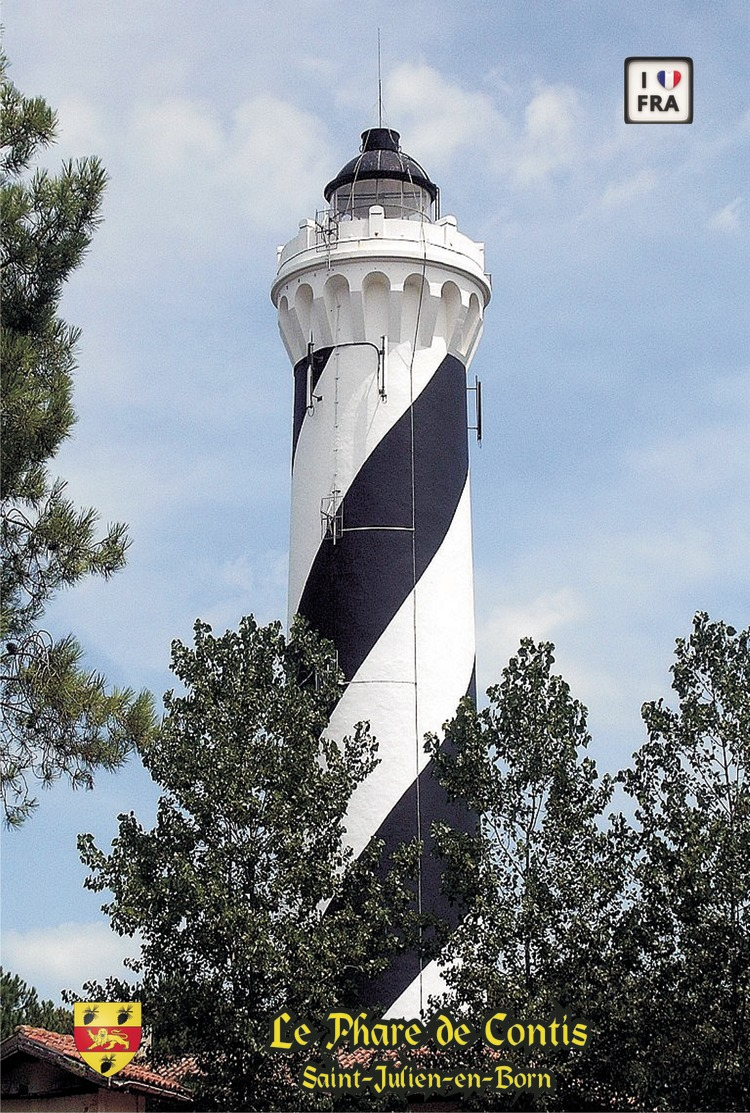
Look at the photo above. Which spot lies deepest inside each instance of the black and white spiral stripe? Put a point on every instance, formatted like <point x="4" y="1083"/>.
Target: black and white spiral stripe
<point x="388" y="587"/>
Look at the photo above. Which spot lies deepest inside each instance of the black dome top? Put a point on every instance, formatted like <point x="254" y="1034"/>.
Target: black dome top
<point x="381" y="157"/>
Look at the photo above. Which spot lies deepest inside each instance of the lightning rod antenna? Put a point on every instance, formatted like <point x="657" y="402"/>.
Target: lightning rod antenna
<point x="380" y="87"/>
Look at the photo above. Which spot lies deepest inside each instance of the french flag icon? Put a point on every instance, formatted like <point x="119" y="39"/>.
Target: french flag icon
<point x="669" y="78"/>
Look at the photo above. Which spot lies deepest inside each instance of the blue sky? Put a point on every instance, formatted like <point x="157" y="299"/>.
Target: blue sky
<point x="610" y="493"/>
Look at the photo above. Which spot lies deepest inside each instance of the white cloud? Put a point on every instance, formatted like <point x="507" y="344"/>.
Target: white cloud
<point x="439" y="116"/>
<point x="139" y="482"/>
<point x="500" y="630"/>
<point x="277" y="151"/>
<point x="711" y="458"/>
<point x="727" y="219"/>
<point x="256" y="585"/>
<point x="575" y="619"/>
<point x="631" y="189"/>
<point x="734" y="390"/>
<point x="550" y="139"/>
<point x="177" y="135"/>
<point x="637" y="562"/>
<point x="81" y="128"/>
<point x="205" y="180"/>
<point x="444" y="120"/>
<point x="67" y="955"/>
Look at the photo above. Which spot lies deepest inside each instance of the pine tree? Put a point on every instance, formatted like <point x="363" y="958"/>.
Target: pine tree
<point x="57" y="717"/>
<point x="20" y="1004"/>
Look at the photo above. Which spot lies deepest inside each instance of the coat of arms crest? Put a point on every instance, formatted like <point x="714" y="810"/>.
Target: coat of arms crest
<point x="107" y="1033"/>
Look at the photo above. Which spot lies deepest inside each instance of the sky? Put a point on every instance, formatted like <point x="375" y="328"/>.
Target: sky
<point x="610" y="492"/>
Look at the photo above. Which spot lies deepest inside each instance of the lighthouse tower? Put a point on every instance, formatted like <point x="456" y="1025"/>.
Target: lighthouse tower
<point x="380" y="304"/>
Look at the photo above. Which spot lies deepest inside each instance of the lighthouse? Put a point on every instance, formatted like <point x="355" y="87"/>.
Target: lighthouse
<point x="380" y="303"/>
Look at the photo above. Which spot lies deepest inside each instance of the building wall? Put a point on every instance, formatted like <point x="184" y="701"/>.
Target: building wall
<point x="32" y="1085"/>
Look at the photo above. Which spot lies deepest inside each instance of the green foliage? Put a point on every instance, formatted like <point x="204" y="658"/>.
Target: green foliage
<point x="687" y="937"/>
<point x="57" y="719"/>
<point x="541" y="879"/>
<point x="21" y="1005"/>
<point x="639" y="928"/>
<point x="227" y="891"/>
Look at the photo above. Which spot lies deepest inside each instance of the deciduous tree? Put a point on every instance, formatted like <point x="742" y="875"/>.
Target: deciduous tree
<point x="687" y="936"/>
<point x="640" y="927"/>
<point x="541" y="879"/>
<point x="228" y="891"/>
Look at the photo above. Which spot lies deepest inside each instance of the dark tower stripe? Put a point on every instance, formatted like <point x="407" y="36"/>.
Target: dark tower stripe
<point x="356" y="586"/>
<point x="399" y="826"/>
<point x="320" y="359"/>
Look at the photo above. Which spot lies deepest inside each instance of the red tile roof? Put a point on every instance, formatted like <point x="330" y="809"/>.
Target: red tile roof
<point x="54" y="1045"/>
